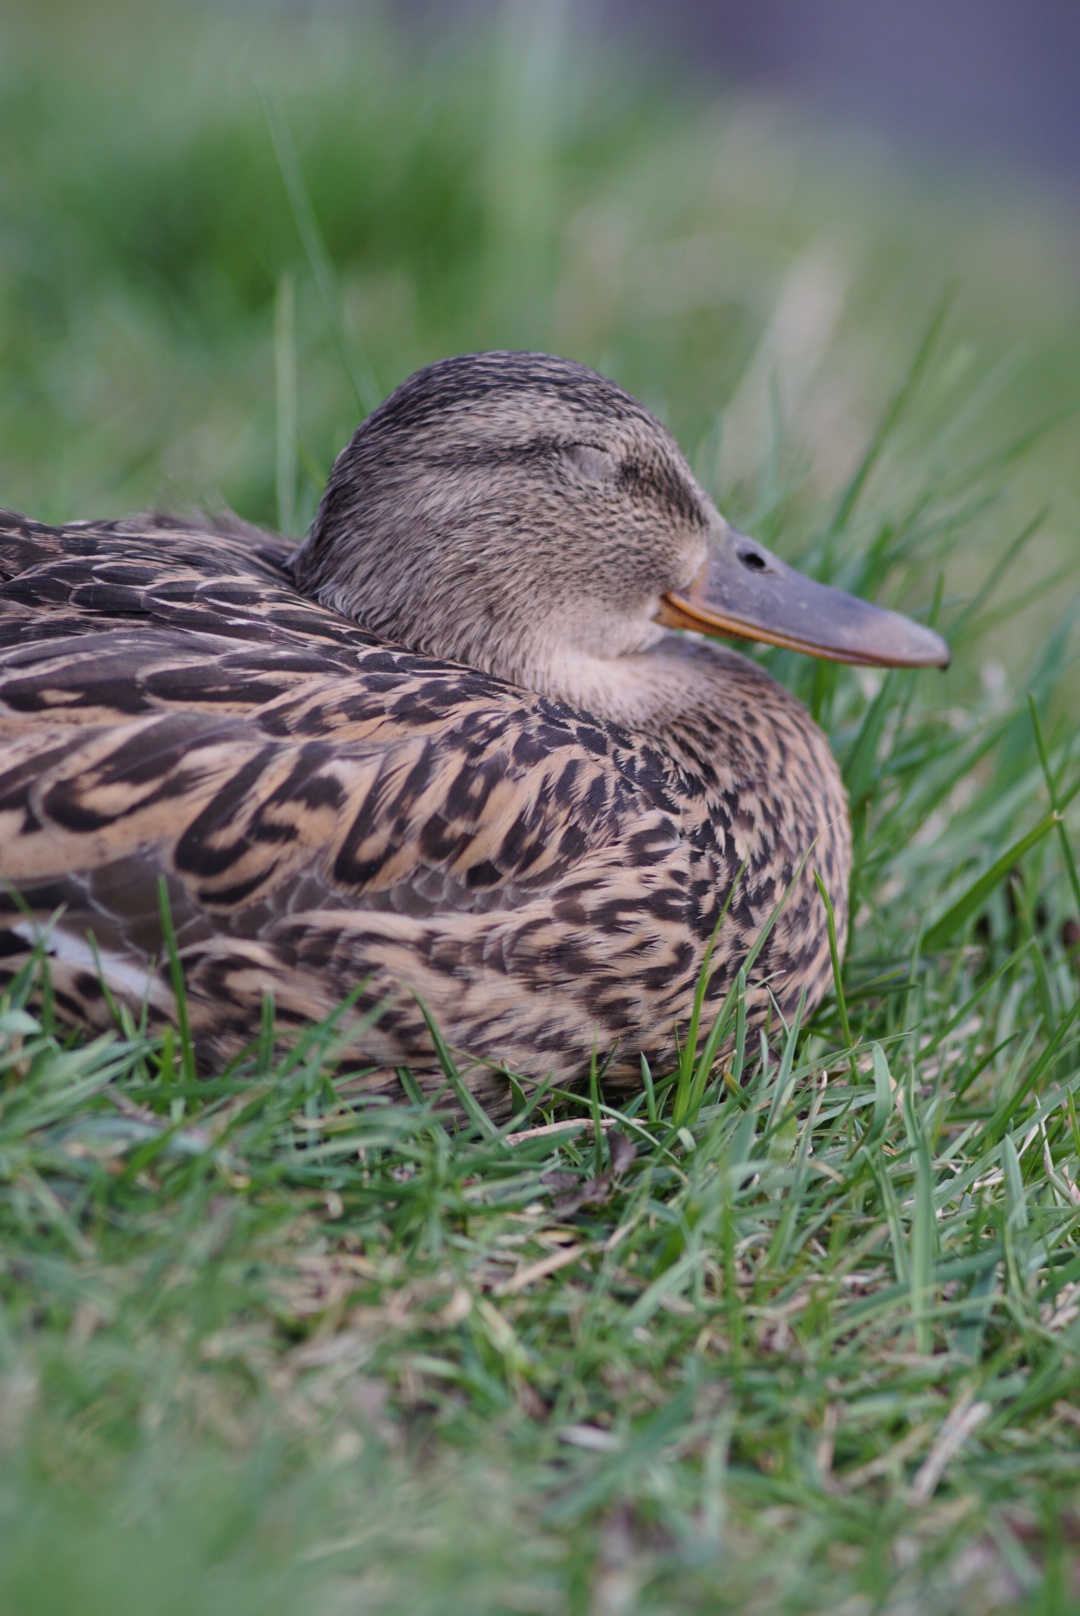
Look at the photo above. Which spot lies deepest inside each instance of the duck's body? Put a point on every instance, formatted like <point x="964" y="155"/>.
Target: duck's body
<point x="332" y="811"/>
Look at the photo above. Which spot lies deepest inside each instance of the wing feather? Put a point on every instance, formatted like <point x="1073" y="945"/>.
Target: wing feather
<point x="324" y="808"/>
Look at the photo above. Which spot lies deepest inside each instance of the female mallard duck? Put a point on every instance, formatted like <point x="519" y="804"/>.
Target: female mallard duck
<point x="447" y="753"/>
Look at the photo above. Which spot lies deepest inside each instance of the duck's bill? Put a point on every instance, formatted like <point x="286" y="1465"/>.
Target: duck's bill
<point x="744" y="590"/>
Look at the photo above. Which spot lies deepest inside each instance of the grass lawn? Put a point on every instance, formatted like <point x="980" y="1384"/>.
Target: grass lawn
<point x="802" y="1336"/>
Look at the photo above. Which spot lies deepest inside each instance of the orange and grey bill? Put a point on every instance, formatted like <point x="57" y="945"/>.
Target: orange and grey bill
<point x="746" y="591"/>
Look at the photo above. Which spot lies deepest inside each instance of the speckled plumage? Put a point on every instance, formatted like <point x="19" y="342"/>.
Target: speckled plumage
<point x="331" y="809"/>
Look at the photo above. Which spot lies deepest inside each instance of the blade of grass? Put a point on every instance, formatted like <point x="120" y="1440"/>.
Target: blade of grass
<point x="1048" y="776"/>
<point x="736" y="997"/>
<point x="784" y="1070"/>
<point x="285" y="382"/>
<point x="594" y="1103"/>
<point x="467" y="1100"/>
<point x="359" y="372"/>
<point x="838" y="984"/>
<point x="1008" y="1108"/>
<point x="859" y="764"/>
<point x="693" y="1080"/>
<point x="893" y="414"/>
<point x="942" y="931"/>
<point x="1009" y="555"/>
<point x="923" y="1224"/>
<point x="179" y="987"/>
<point x="688" y="1052"/>
<point x="897" y="1241"/>
<point x="883" y="1093"/>
<point x="650" y="1091"/>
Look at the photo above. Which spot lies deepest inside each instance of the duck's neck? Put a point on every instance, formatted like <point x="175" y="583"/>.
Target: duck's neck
<point x="745" y="746"/>
<point x="688" y="695"/>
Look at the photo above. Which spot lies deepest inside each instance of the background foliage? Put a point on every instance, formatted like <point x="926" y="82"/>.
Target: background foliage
<point x="805" y="1344"/>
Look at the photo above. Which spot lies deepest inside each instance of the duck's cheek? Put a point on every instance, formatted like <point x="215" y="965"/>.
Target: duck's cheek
<point x="605" y="634"/>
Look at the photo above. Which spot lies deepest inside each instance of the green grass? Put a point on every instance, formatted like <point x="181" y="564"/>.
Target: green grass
<point x="801" y="1339"/>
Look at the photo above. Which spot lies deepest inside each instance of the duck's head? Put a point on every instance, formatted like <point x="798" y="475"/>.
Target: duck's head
<point x="524" y="515"/>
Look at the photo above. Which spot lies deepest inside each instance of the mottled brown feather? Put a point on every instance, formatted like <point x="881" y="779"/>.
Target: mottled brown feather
<point x="331" y="811"/>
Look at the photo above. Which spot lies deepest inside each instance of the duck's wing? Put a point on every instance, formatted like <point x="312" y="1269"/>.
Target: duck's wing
<point x="225" y="577"/>
<point x="322" y="809"/>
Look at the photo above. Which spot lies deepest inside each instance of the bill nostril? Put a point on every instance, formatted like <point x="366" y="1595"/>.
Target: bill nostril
<point x="753" y="561"/>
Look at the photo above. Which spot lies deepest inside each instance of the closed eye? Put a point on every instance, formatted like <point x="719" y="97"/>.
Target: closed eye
<point x="593" y="462"/>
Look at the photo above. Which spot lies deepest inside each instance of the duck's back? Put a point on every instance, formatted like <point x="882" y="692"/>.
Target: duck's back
<point x="326" y="813"/>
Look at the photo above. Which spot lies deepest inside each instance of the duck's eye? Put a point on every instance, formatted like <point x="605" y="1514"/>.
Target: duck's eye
<point x="754" y="562"/>
<point x="590" y="461"/>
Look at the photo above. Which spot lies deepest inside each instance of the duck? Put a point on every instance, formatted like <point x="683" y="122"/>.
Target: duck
<point x="470" y="764"/>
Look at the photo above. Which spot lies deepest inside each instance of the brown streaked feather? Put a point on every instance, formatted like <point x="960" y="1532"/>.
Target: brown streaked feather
<point x="335" y="814"/>
<point x="328" y="809"/>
